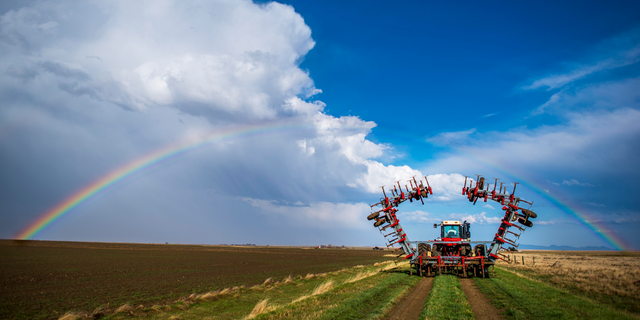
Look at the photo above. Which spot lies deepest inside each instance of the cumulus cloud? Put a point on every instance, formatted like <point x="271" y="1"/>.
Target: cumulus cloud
<point x="103" y="83"/>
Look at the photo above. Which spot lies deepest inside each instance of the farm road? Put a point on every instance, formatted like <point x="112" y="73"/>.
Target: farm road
<point x="480" y="305"/>
<point x="413" y="303"/>
<point x="411" y="306"/>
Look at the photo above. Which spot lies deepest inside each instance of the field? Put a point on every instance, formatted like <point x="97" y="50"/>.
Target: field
<point x="73" y="281"/>
<point x="608" y="277"/>
<point x="43" y="280"/>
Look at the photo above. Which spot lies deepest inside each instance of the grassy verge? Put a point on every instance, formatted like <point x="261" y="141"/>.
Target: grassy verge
<point x="522" y="298"/>
<point x="374" y="302"/>
<point x="446" y="300"/>
<point x="628" y="302"/>
<point x="354" y="293"/>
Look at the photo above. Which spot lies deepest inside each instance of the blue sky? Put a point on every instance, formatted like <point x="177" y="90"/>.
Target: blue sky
<point x="545" y="94"/>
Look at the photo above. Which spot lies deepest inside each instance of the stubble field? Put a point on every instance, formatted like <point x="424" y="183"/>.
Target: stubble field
<point x="43" y="280"/>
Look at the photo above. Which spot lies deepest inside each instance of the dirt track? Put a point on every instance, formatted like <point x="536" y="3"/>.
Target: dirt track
<point x="411" y="306"/>
<point x="480" y="305"/>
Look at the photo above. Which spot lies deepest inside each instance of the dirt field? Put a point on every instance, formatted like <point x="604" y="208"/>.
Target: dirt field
<point x="43" y="280"/>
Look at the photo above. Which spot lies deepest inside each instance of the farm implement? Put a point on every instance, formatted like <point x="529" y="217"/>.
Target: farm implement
<point x="452" y="252"/>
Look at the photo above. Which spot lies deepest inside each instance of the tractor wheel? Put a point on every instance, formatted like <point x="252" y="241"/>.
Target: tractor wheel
<point x="465" y="250"/>
<point x="373" y="215"/>
<point x="378" y="223"/>
<point x="480" y="250"/>
<point x="525" y="222"/>
<point x="435" y="251"/>
<point x="423" y="248"/>
<point x="485" y="271"/>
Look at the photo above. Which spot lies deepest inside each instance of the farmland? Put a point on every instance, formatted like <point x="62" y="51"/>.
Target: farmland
<point x="608" y="277"/>
<point x="43" y="280"/>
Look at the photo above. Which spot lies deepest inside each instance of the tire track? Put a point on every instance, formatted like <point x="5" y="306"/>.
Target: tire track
<point x="480" y="305"/>
<point x="412" y="304"/>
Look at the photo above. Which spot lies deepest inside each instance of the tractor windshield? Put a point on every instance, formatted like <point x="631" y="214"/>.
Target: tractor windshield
<point x="451" y="232"/>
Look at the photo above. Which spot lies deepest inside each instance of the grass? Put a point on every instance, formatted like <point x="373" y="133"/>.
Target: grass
<point x="523" y="298"/>
<point x="374" y="302"/>
<point x="331" y="295"/>
<point x="611" y="278"/>
<point x="446" y="300"/>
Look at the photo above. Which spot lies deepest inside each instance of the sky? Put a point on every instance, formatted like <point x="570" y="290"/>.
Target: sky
<point x="277" y="122"/>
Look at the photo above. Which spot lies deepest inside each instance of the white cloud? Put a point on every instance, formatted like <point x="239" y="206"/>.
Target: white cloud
<point x="488" y="206"/>
<point x="447" y="138"/>
<point x="323" y="215"/>
<point x="620" y="51"/>
<point x="606" y="95"/>
<point x="235" y="58"/>
<point x="574" y="182"/>
<point x="589" y="142"/>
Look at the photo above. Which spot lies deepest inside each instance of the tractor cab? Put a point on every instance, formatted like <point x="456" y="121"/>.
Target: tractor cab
<point x="454" y="230"/>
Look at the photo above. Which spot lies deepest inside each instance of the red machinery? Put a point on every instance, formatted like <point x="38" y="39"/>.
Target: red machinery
<point x="452" y="252"/>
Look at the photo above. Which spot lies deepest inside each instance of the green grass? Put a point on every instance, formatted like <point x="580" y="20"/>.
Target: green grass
<point x="372" y="303"/>
<point x="620" y="302"/>
<point x="522" y="298"/>
<point x="446" y="300"/>
<point x="367" y="298"/>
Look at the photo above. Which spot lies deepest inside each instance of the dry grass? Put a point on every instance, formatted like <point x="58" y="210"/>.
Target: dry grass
<point x="323" y="288"/>
<point x="360" y="276"/>
<point x="72" y="316"/>
<point x="610" y="273"/>
<point x="261" y="307"/>
<point x="125" y="308"/>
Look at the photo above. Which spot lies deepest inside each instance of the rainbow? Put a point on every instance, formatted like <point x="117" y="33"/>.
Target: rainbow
<point x="146" y="162"/>
<point x="162" y="155"/>
<point x="574" y="211"/>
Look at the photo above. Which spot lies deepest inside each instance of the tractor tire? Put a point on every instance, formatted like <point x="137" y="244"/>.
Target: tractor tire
<point x="465" y="250"/>
<point x="423" y="248"/>
<point x="481" y="183"/>
<point x="435" y="251"/>
<point x="529" y="213"/>
<point x="525" y="222"/>
<point x="378" y="223"/>
<point x="373" y="215"/>
<point x="480" y="250"/>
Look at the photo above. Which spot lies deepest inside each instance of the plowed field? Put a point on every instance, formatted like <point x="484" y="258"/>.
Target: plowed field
<point x="43" y="280"/>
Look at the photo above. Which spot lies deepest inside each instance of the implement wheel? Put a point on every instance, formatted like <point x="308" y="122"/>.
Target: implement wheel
<point x="480" y="250"/>
<point x="423" y="248"/>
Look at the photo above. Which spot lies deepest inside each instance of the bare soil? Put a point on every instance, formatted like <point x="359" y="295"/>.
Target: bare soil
<point x="45" y="279"/>
<point x="413" y="303"/>
<point x="480" y="305"/>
